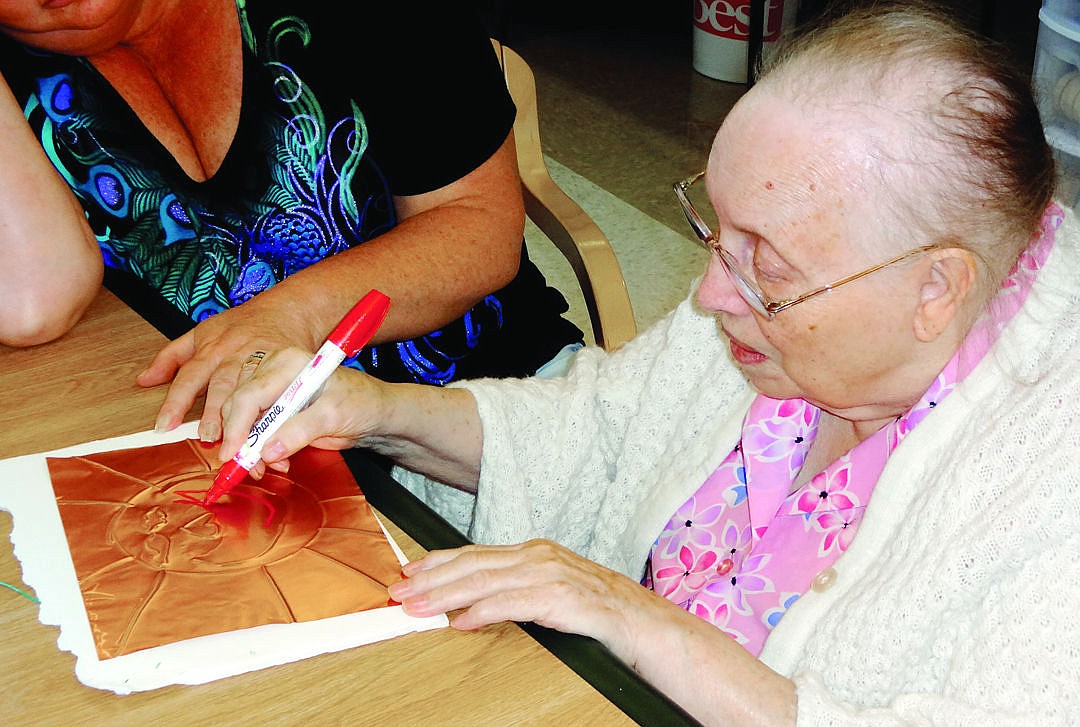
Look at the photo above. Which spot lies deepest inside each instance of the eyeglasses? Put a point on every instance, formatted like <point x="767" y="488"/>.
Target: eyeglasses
<point x="747" y="290"/>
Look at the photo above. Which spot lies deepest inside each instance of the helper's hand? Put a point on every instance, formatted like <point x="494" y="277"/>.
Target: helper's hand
<point x="209" y="359"/>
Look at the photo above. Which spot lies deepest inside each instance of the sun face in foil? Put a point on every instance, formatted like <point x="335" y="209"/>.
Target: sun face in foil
<point x="155" y="566"/>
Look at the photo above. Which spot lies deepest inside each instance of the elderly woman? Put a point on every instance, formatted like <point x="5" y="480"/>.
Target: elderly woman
<point x="845" y="471"/>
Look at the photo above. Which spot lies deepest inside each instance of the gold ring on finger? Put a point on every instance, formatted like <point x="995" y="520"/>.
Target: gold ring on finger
<point x="254" y="359"/>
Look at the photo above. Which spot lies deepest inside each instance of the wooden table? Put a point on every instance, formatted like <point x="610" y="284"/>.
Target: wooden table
<point x="81" y="388"/>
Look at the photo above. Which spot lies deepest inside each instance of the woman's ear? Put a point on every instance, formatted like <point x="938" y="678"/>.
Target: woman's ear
<point x="949" y="283"/>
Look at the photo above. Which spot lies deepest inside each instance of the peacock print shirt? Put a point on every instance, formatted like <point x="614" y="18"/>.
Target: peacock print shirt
<point x="337" y="115"/>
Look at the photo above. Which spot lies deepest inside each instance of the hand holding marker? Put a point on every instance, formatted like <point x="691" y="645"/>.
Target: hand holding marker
<point x="346" y="340"/>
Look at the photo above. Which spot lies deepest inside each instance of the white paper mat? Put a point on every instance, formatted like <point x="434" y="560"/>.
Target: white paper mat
<point x="41" y="548"/>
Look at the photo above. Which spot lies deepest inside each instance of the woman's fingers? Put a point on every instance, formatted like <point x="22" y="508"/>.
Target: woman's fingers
<point x="221" y="384"/>
<point x="535" y="602"/>
<point x="255" y="392"/>
<point x="208" y="359"/>
<point x="537" y="581"/>
<point x="164" y="366"/>
<point x="233" y="370"/>
<point x="334" y="419"/>
<point x="167" y="360"/>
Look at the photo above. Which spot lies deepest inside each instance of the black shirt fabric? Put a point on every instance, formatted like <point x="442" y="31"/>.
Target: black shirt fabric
<point x="339" y="112"/>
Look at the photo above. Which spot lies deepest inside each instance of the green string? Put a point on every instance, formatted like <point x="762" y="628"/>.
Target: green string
<point x="20" y="591"/>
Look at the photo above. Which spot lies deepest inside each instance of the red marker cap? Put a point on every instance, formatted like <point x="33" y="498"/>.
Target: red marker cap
<point x="360" y="323"/>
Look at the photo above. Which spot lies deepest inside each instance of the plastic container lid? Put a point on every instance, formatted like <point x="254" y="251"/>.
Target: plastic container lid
<point x="1060" y="24"/>
<point x="1063" y="139"/>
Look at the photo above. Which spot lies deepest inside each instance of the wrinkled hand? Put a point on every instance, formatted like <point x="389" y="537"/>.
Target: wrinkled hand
<point x="539" y="581"/>
<point x="543" y="582"/>
<point x="209" y="359"/>
<point x="345" y="409"/>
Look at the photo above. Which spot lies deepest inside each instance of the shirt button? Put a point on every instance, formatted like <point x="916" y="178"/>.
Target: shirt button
<point x="824" y="580"/>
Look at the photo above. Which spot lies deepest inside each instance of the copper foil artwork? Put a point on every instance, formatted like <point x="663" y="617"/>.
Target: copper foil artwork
<point x="156" y="566"/>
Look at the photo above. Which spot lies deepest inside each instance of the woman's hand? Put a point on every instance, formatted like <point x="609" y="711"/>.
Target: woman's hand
<point x="347" y="408"/>
<point x="428" y="429"/>
<point x="209" y="357"/>
<point x="696" y="664"/>
<point x="539" y="581"/>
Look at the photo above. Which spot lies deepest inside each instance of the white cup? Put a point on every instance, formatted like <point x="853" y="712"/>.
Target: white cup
<point x="721" y="35"/>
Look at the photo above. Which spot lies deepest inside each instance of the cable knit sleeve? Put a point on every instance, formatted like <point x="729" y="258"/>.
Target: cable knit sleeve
<point x="572" y="458"/>
<point x="1016" y="663"/>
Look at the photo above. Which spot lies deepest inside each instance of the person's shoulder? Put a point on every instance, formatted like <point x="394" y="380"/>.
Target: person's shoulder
<point x="374" y="24"/>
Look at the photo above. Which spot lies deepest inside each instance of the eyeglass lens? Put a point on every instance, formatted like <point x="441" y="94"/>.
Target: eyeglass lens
<point x="742" y="286"/>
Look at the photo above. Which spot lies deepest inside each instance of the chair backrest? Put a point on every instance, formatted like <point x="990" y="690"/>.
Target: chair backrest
<point x="561" y="219"/>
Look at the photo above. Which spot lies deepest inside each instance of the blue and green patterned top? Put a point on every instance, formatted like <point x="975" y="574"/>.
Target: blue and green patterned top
<point x="331" y="126"/>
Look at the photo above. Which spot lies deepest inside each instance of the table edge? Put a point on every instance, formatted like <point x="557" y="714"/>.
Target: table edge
<point x="587" y="657"/>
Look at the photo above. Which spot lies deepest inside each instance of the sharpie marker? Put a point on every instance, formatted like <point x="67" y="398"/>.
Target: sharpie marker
<point x="351" y="335"/>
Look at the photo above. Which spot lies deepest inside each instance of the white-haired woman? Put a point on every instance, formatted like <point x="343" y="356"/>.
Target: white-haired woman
<point x="845" y="470"/>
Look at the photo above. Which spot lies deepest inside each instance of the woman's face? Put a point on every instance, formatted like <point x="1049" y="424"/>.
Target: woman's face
<point x="793" y="206"/>
<point x="75" y="27"/>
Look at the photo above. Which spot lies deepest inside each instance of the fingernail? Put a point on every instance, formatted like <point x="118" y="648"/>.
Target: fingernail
<point x="209" y="431"/>
<point x="274" y="450"/>
<point x="162" y="423"/>
<point x="418" y="607"/>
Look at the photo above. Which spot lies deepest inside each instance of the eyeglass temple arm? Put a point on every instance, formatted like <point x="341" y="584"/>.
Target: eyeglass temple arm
<point x="782" y="304"/>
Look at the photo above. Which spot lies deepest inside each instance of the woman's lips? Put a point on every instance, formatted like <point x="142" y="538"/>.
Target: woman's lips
<point x="744" y="355"/>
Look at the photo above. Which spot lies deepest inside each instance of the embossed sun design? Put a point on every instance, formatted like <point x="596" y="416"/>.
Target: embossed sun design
<point x="155" y="565"/>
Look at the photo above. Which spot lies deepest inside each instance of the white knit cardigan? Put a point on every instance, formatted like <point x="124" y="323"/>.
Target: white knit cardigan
<point x="955" y="603"/>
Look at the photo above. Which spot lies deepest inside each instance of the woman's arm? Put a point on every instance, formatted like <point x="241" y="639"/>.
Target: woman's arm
<point x="694" y="663"/>
<point x="52" y="265"/>
<point x="455" y="245"/>
<point x="431" y="430"/>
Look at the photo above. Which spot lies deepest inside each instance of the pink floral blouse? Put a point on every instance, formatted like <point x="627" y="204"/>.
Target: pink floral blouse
<point x="744" y="547"/>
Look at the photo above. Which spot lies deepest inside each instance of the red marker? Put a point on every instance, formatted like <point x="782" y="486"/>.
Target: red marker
<point x="351" y="335"/>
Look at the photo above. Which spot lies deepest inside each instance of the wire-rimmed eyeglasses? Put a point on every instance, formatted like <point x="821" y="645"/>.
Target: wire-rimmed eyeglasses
<point x="747" y="290"/>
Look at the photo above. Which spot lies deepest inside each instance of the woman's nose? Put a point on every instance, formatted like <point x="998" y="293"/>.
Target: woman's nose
<point x="716" y="292"/>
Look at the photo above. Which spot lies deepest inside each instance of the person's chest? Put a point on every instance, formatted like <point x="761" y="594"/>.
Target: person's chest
<point x="186" y="91"/>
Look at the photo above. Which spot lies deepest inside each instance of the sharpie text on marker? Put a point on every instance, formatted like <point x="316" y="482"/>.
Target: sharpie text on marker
<point x="264" y="424"/>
